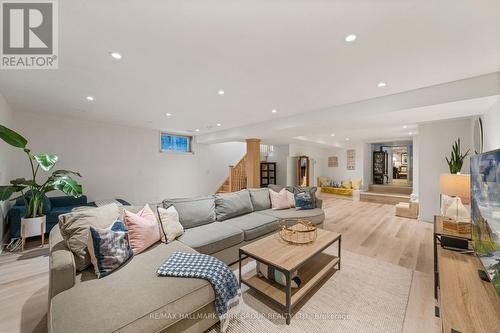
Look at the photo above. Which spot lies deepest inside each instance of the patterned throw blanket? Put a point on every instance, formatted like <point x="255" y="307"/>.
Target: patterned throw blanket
<point x="201" y="266"/>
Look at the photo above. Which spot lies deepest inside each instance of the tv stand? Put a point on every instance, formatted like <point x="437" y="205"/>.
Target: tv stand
<point x="466" y="303"/>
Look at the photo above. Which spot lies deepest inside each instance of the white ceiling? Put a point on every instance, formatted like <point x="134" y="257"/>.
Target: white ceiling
<point x="284" y="55"/>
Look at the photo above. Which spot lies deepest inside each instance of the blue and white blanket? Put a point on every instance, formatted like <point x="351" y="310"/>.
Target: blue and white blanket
<point x="201" y="266"/>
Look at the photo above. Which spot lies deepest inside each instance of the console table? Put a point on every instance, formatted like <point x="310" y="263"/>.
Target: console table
<point x="466" y="303"/>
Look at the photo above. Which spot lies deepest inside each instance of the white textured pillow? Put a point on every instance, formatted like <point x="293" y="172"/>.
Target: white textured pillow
<point x="291" y="198"/>
<point x="279" y="199"/>
<point x="169" y="219"/>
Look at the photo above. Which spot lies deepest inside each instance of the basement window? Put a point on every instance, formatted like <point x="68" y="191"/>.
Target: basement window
<point x="174" y="143"/>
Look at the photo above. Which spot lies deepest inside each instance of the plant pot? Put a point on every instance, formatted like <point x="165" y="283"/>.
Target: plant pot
<point x="33" y="226"/>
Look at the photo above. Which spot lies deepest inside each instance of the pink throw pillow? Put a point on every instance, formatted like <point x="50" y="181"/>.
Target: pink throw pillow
<point x="142" y="229"/>
<point x="279" y="200"/>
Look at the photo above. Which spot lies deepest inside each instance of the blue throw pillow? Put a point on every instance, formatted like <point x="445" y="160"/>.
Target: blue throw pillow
<point x="109" y="248"/>
<point x="303" y="200"/>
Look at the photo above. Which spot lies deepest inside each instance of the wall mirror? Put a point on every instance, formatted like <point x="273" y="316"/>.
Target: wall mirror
<point x="303" y="171"/>
<point x="478" y="135"/>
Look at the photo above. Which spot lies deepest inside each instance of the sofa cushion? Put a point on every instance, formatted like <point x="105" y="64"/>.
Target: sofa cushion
<point x="310" y="189"/>
<point x="74" y="228"/>
<point x="143" y="229"/>
<point x="316" y="215"/>
<point x="232" y="204"/>
<point x="211" y="238"/>
<point x="260" y="198"/>
<point x="136" y="298"/>
<point x="253" y="225"/>
<point x="109" y="248"/>
<point x="193" y="212"/>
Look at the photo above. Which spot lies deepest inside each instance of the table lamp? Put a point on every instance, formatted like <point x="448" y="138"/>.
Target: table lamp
<point x="456" y="186"/>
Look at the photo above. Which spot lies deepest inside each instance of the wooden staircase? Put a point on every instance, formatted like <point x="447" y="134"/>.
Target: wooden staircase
<point x="237" y="179"/>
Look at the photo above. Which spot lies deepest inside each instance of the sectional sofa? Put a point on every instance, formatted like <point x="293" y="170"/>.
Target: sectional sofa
<point x="134" y="298"/>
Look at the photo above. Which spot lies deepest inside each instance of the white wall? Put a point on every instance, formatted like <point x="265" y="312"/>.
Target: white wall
<point x="416" y="170"/>
<point x="491" y="127"/>
<point x="124" y="162"/>
<point x="434" y="144"/>
<point x="341" y="173"/>
<point x="6" y="153"/>
<point x="280" y="155"/>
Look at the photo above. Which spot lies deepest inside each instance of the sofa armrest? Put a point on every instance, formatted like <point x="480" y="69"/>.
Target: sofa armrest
<point x="62" y="269"/>
<point x="14" y="220"/>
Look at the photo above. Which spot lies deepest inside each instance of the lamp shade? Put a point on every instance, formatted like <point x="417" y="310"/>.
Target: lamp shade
<point x="455" y="185"/>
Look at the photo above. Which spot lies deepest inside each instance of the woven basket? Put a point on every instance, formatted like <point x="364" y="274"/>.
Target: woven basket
<point x="464" y="228"/>
<point x="298" y="231"/>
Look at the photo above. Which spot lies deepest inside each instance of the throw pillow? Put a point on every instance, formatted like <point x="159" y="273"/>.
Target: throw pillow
<point x="74" y="229"/>
<point x="109" y="248"/>
<point x="143" y="229"/>
<point x="311" y="190"/>
<point x="303" y="200"/>
<point x="346" y="184"/>
<point x="291" y="198"/>
<point x="275" y="275"/>
<point x="171" y="228"/>
<point x="356" y="184"/>
<point x="279" y="199"/>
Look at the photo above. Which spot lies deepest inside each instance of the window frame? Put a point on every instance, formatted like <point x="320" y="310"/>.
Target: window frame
<point x="168" y="151"/>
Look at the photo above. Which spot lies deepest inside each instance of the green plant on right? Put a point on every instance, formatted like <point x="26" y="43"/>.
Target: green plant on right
<point x="456" y="160"/>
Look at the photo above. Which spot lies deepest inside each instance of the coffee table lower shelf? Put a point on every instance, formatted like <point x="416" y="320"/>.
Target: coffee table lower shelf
<point x="311" y="273"/>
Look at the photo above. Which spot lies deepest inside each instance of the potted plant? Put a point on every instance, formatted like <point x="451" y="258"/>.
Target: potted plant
<point x="31" y="190"/>
<point x="456" y="159"/>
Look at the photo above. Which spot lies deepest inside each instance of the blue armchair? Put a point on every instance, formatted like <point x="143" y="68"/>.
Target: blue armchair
<point x="52" y="208"/>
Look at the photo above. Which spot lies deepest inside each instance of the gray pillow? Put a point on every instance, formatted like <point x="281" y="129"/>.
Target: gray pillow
<point x="74" y="228"/>
<point x="193" y="212"/>
<point x="277" y="188"/>
<point x="260" y="198"/>
<point x="310" y="190"/>
<point x="232" y="204"/>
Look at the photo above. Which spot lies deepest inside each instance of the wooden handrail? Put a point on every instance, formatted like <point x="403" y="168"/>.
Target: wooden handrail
<point x="237" y="179"/>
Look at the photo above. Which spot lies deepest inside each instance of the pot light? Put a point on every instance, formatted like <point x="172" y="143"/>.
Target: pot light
<point x="333" y="134"/>
<point x="381" y="84"/>
<point x="274" y="111"/>
<point x="350" y="38"/>
<point x="116" y="55"/>
<point x="347" y="139"/>
<point x="405" y="127"/>
<point x="197" y="130"/>
<point x="221" y="92"/>
<point x="168" y="114"/>
<point x="410" y="133"/>
<point x="90" y="98"/>
<point x="219" y="124"/>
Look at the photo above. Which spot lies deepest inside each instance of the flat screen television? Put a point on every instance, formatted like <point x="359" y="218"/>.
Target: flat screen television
<point x="485" y="209"/>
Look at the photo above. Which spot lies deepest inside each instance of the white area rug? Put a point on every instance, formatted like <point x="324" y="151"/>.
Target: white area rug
<point x="366" y="295"/>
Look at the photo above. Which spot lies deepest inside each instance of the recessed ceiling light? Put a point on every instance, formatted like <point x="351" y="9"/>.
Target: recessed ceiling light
<point x="350" y="38"/>
<point x="219" y="124"/>
<point x="274" y="111"/>
<point x="381" y="84"/>
<point x="346" y="139"/>
<point x="197" y="130"/>
<point x="116" y="55"/>
<point x="221" y="92"/>
<point x="90" y="98"/>
<point x="333" y="134"/>
<point x="168" y="114"/>
<point x="410" y="133"/>
<point x="405" y="127"/>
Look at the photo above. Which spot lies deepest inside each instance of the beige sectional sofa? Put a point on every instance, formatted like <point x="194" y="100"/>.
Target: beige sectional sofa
<point x="134" y="298"/>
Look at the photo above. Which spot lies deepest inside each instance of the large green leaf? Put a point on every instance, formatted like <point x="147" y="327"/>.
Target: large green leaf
<point x="67" y="185"/>
<point x="23" y="181"/>
<point x="66" y="172"/>
<point x="46" y="161"/>
<point x="7" y="191"/>
<point x="12" y="138"/>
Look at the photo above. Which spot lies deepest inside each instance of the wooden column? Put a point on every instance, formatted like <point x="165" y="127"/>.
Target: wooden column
<point x="253" y="163"/>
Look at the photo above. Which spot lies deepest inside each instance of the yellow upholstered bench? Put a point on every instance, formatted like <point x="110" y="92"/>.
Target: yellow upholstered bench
<point x="337" y="190"/>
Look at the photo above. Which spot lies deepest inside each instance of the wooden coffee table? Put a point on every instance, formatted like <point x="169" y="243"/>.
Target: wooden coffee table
<point x="309" y="259"/>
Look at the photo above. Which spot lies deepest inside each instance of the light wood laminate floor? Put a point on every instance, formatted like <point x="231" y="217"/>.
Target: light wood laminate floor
<point x="367" y="228"/>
